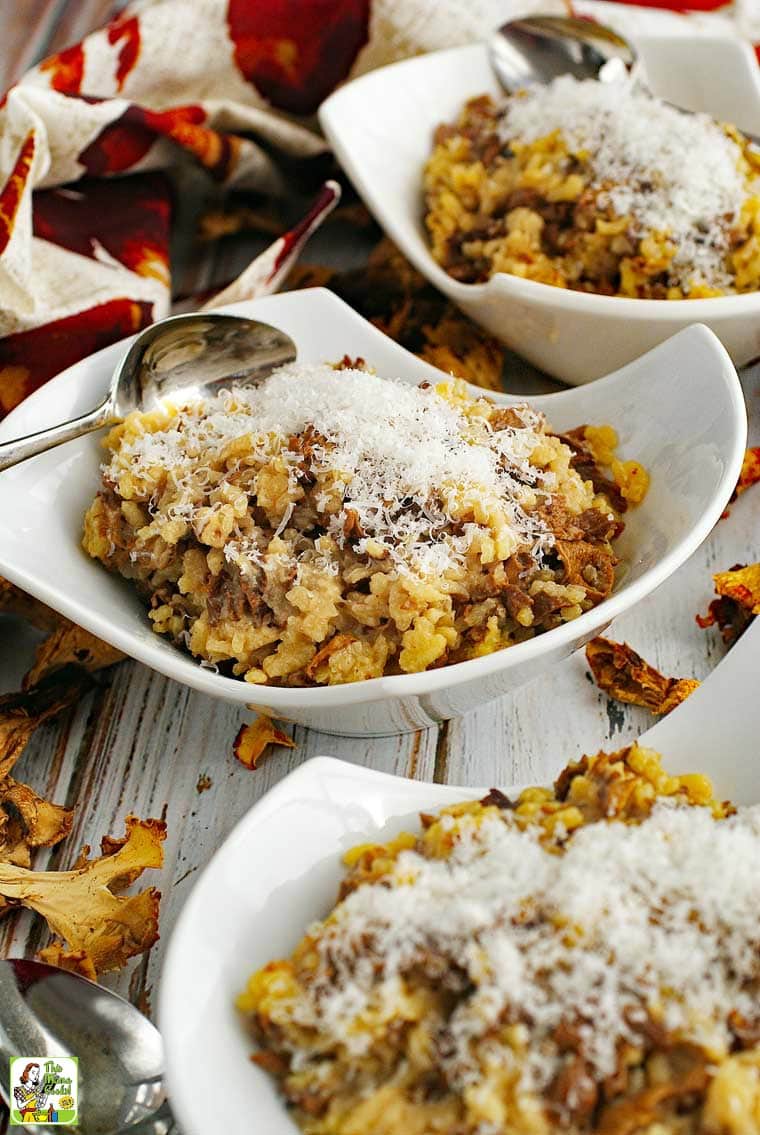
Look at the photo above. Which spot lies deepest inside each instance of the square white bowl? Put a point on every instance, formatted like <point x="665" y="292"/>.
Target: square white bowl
<point x="381" y="129"/>
<point x="238" y="917"/>
<point x="680" y="410"/>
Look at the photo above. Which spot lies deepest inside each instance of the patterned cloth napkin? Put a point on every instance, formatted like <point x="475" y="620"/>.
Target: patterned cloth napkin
<point x="89" y="137"/>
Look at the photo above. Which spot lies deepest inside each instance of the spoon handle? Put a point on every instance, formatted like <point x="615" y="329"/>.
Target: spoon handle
<point x="13" y="452"/>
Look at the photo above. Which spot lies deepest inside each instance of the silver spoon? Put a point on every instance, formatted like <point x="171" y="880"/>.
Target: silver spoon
<point x="196" y="355"/>
<point x="535" y="50"/>
<point x="538" y="49"/>
<point x="45" y="1011"/>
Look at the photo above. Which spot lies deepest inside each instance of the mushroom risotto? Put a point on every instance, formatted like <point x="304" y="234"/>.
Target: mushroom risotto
<point x="598" y="187"/>
<point x="583" y="959"/>
<point x="331" y="525"/>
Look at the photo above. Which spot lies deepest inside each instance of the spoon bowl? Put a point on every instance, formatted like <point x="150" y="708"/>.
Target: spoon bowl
<point x="194" y="355"/>
<point x="197" y="356"/>
<point x="50" y="1012"/>
<point x="538" y="49"/>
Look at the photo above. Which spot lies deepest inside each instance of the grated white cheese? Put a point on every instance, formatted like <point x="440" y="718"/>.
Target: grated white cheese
<point x="663" y="916"/>
<point x="671" y="172"/>
<point x="408" y="460"/>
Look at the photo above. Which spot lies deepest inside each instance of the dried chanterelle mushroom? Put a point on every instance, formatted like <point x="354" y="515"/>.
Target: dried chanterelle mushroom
<point x="101" y="928"/>
<point x="624" y="675"/>
<point x="738" y="601"/>
<point x="97" y="928"/>
<point x="66" y="644"/>
<point x="27" y="821"/>
<point x="65" y="641"/>
<point x="253" y="740"/>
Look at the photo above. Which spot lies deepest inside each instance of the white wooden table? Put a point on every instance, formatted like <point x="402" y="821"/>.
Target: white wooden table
<point x="142" y="743"/>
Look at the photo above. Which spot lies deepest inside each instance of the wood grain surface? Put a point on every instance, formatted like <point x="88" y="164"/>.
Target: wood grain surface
<point x="140" y="743"/>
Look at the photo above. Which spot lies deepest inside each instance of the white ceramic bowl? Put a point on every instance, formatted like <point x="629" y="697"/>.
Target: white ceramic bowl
<point x="238" y="917"/>
<point x="679" y="410"/>
<point x="381" y="128"/>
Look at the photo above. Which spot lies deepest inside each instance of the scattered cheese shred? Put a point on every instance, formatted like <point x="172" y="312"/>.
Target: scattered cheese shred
<point x="407" y="460"/>
<point x="626" y="923"/>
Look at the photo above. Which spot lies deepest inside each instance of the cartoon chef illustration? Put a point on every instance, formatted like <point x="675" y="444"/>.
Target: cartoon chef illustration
<point x="29" y="1094"/>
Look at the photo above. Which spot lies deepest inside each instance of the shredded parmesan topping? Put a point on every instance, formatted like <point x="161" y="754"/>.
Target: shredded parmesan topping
<point x="418" y="471"/>
<point x="656" y="919"/>
<point x="669" y="171"/>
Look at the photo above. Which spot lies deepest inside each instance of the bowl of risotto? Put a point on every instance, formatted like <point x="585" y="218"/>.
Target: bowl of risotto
<point x="362" y="543"/>
<point x="582" y="222"/>
<point x="559" y="957"/>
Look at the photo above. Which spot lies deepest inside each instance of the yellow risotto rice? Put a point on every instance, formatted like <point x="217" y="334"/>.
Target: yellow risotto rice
<point x="597" y="188"/>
